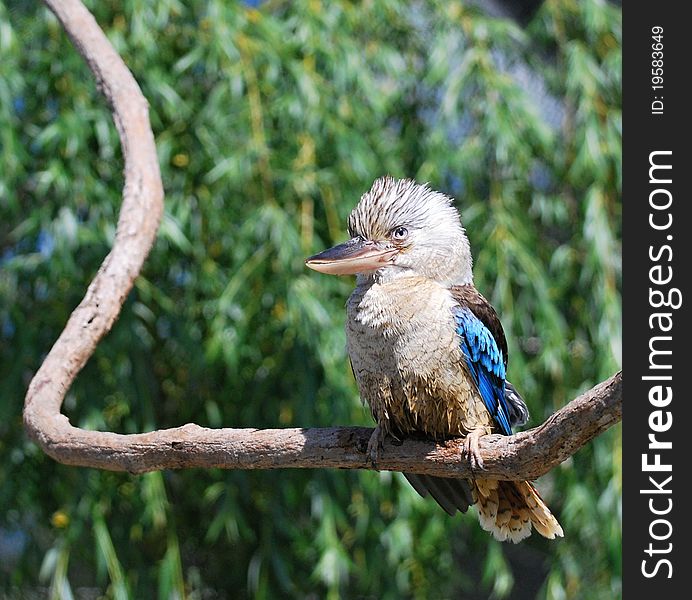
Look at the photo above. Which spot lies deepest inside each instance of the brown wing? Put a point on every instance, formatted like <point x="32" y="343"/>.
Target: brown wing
<point x="469" y="296"/>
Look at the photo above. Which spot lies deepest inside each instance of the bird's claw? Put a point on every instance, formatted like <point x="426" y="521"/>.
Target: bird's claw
<point x="472" y="451"/>
<point x="375" y="446"/>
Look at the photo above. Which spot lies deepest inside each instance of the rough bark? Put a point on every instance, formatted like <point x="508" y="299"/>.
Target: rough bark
<point x="524" y="455"/>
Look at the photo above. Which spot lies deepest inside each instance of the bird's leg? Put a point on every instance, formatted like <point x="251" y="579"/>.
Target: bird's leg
<point x="376" y="445"/>
<point x="472" y="450"/>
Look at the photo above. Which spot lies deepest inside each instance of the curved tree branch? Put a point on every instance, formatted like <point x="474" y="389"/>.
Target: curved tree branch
<point x="524" y="455"/>
<point x="137" y="225"/>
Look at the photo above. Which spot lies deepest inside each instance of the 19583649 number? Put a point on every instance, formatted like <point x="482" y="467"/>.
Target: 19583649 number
<point x="657" y="58"/>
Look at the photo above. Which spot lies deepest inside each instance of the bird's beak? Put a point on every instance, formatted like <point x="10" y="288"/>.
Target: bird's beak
<point x="355" y="256"/>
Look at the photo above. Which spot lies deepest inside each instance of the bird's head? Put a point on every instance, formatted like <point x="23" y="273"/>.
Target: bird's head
<point x="401" y="228"/>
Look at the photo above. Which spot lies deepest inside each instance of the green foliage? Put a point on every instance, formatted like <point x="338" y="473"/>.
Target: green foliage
<point x="269" y="124"/>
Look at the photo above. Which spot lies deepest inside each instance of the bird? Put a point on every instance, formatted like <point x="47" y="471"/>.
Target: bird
<point x="428" y="351"/>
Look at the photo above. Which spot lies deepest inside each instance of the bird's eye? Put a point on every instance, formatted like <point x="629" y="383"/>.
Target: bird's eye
<point x="400" y="233"/>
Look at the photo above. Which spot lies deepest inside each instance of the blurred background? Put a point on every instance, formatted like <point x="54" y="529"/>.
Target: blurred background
<point x="271" y="119"/>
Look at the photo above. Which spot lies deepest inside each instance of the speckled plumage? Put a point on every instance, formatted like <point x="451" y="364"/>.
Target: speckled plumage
<point x="428" y="351"/>
<point x="407" y="361"/>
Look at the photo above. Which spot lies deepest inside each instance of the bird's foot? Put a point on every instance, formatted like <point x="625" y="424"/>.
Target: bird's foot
<point x="471" y="449"/>
<point x="375" y="445"/>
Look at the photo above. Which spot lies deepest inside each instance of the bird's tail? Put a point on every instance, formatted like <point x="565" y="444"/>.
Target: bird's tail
<point x="451" y="494"/>
<point x="508" y="510"/>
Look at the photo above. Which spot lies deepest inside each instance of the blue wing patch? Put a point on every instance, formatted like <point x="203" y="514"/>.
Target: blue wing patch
<point x="485" y="363"/>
